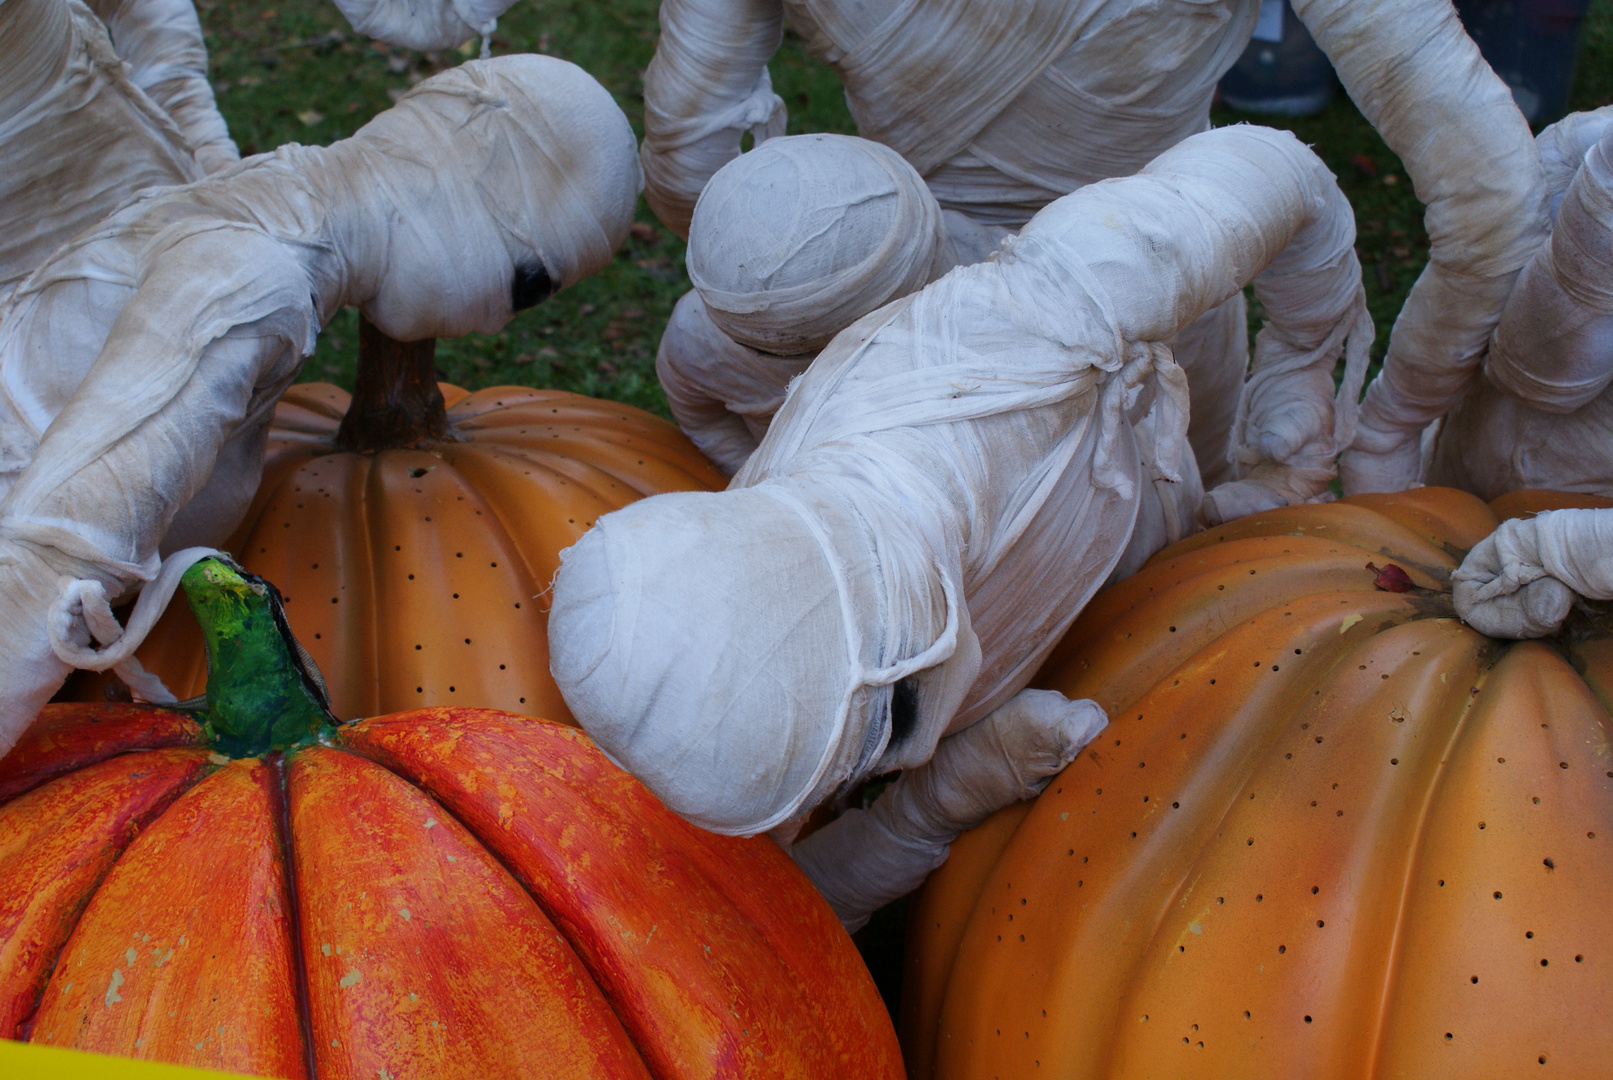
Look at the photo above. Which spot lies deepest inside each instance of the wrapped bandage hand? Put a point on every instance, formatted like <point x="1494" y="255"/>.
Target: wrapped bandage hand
<point x="1520" y="581"/>
<point x="864" y="859"/>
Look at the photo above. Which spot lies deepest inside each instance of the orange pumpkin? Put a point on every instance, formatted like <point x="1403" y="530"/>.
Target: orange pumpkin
<point x="416" y="554"/>
<point x="444" y="892"/>
<point x="1330" y="831"/>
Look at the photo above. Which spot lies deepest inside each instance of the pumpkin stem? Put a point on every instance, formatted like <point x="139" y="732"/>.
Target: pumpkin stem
<point x="261" y="693"/>
<point x="396" y="401"/>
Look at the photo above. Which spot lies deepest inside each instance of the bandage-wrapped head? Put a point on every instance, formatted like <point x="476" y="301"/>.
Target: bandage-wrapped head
<point x="728" y="653"/>
<point x="798" y="239"/>
<point x="534" y="164"/>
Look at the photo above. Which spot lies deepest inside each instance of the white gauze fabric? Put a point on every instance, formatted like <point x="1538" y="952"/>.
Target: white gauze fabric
<point x="1420" y="81"/>
<point x="425" y="24"/>
<point x="943" y="490"/>
<point x="139" y="367"/>
<point x="803" y="236"/>
<point x="1002" y="105"/>
<point x="864" y="859"/>
<point x="77" y="136"/>
<point x="161" y="41"/>
<point x="1543" y="415"/>
<point x="792" y="243"/>
<point x="1520" y="581"/>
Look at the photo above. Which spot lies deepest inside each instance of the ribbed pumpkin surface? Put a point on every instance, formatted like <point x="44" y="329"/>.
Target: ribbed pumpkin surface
<point x="1329" y="832"/>
<point x="441" y="893"/>
<point x="416" y="576"/>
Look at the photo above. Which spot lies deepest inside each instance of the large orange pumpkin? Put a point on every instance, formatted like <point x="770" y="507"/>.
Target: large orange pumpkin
<point x="415" y="536"/>
<point x="444" y="892"/>
<point x="1330" y="831"/>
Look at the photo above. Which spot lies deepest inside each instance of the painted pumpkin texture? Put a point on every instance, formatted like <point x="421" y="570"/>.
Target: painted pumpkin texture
<point x="444" y="892"/>
<point x="419" y="574"/>
<point x="1330" y="830"/>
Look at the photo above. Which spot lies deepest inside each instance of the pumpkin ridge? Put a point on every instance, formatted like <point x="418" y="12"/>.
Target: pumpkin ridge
<point x="410" y="923"/>
<point x="23" y="980"/>
<point x="1060" y="960"/>
<point x="565" y="805"/>
<point x="1347" y="523"/>
<point x="233" y="969"/>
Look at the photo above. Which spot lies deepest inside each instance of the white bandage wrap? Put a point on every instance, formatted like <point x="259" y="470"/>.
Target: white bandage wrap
<point x="1520" y="581"/>
<point x="1419" y="80"/>
<point x="1543" y="415"/>
<point x="803" y="236"/>
<point x="942" y="491"/>
<point x="425" y="24"/>
<point x="864" y="859"/>
<point x="161" y="41"/>
<point x="1002" y="105"/>
<point x="153" y="348"/>
<point x="78" y="136"/>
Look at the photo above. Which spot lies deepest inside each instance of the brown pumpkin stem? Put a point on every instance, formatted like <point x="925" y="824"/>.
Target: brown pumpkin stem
<point x="396" y="401"/>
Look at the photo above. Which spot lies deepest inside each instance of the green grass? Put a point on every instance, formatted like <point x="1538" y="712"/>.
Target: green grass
<point x="295" y="72"/>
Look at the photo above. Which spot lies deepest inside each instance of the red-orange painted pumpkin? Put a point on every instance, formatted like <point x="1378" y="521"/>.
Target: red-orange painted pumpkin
<point x="1329" y="832"/>
<point x="444" y="892"/>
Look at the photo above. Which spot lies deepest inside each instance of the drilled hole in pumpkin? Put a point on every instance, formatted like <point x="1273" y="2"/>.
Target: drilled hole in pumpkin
<point x="1449" y="1036"/>
<point x="415" y="474"/>
<point x="1543" y="963"/>
<point x="1281" y="949"/>
<point x="1307" y="1019"/>
<point x="1579" y="959"/>
<point x="1315" y="888"/>
<point x="1475" y="979"/>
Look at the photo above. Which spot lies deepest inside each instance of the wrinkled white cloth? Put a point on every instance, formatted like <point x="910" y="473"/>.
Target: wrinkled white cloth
<point x="722" y="394"/>
<point x="78" y="137"/>
<point x="1520" y="581"/>
<point x="791" y="244"/>
<point x="1420" y="81"/>
<point x="1002" y="105"/>
<point x="425" y="24"/>
<point x="153" y="348"/>
<point x="942" y="491"/>
<point x="801" y="237"/>
<point x="161" y="41"/>
<point x="864" y="859"/>
<point x="1542" y="417"/>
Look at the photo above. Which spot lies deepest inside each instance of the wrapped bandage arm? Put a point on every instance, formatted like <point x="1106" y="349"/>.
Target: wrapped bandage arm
<point x="721" y="393"/>
<point x="1553" y="348"/>
<point x="171" y="387"/>
<point x="1420" y="81"/>
<point x="705" y="88"/>
<point x="864" y="859"/>
<point x="1301" y="236"/>
<point x="161" y="40"/>
<point x="1520" y="581"/>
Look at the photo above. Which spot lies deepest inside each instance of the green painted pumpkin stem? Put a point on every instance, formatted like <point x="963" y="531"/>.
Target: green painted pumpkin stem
<point x="262" y="690"/>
